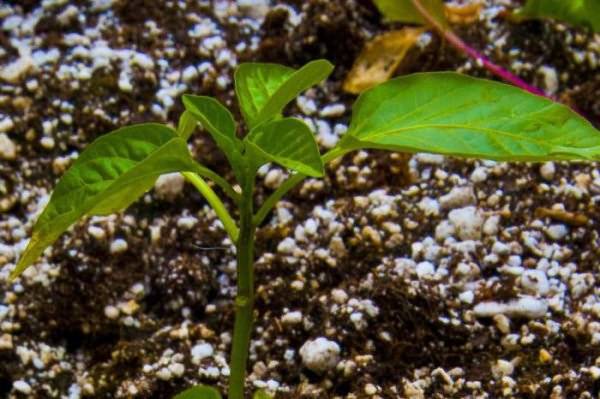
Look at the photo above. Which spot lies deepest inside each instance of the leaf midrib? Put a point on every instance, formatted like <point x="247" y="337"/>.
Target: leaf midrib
<point x="541" y="143"/>
<point x="111" y="182"/>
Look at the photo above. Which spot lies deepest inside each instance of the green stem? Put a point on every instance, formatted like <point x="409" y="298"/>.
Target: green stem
<point x="290" y="183"/>
<point x="215" y="202"/>
<point x="274" y="198"/>
<point x="244" y="301"/>
<point x="225" y="186"/>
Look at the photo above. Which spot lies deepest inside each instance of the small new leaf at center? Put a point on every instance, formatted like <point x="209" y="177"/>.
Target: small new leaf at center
<point x="218" y="121"/>
<point x="263" y="90"/>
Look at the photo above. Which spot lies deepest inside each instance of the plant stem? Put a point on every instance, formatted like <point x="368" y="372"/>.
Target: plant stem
<point x="225" y="186"/>
<point x="215" y="202"/>
<point x="459" y="44"/>
<point x="244" y="301"/>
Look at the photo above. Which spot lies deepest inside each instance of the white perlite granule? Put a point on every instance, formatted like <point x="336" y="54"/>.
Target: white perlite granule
<point x="320" y="355"/>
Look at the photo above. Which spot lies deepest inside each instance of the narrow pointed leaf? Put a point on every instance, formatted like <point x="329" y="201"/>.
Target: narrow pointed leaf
<point x="577" y="12"/>
<point x="219" y="122"/>
<point x="109" y="175"/>
<point x="288" y="142"/>
<point x="405" y="11"/>
<point x="452" y="114"/>
<point x="199" y="392"/>
<point x="263" y="90"/>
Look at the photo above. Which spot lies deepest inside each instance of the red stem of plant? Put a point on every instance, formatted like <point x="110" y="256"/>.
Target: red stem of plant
<point x="459" y="44"/>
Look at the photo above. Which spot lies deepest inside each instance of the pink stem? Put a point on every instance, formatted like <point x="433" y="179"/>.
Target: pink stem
<point x="459" y="44"/>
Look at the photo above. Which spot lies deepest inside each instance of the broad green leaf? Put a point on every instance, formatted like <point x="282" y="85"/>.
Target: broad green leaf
<point x="577" y="12"/>
<point x="199" y="392"/>
<point x="187" y="124"/>
<point x="263" y="90"/>
<point x="261" y="394"/>
<point x="110" y="174"/>
<point x="452" y="114"/>
<point x="288" y="142"/>
<point x="405" y="11"/>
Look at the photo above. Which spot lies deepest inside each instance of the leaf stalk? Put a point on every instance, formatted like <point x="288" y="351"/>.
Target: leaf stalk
<point x="460" y="45"/>
<point x="216" y="203"/>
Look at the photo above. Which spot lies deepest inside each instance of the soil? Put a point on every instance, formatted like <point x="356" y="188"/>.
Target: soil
<point x="391" y="256"/>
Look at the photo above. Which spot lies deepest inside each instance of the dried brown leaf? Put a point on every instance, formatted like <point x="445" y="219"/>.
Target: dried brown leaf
<point x="463" y="13"/>
<point x="380" y="58"/>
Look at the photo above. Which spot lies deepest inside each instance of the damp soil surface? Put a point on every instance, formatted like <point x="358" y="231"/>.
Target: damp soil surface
<point x="408" y="276"/>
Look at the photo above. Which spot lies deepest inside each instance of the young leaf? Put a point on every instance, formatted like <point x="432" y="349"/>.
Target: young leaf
<point x="263" y="90"/>
<point x="219" y="122"/>
<point x="577" y="12"/>
<point x="288" y="142"/>
<point x="199" y="392"/>
<point x="405" y="11"/>
<point x="452" y="114"/>
<point x="217" y="119"/>
<point x="111" y="173"/>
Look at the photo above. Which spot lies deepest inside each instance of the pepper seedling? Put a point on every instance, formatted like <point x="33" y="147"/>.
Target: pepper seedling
<point x="444" y="113"/>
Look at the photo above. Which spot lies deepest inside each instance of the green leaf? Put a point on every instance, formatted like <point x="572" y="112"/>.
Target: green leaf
<point x="263" y="90"/>
<point x="218" y="121"/>
<point x="199" y="392"/>
<point x="452" y="114"/>
<point x="110" y="174"/>
<point x="577" y="12"/>
<point x="288" y="142"/>
<point x="261" y="394"/>
<point x="187" y="124"/>
<point x="405" y="11"/>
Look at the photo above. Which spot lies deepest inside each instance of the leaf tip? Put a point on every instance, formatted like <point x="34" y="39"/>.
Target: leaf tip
<point x="186" y="100"/>
<point x="17" y="271"/>
<point x="316" y="172"/>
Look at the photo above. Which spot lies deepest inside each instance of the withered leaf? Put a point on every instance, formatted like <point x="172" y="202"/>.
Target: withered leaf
<point x="380" y="58"/>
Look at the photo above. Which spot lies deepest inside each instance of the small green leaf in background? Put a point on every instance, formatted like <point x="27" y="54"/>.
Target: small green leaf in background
<point x="261" y="394"/>
<point x="405" y="11"/>
<point x="199" y="392"/>
<point x="577" y="12"/>
<point x="108" y="176"/>
<point x="263" y="90"/>
<point x="288" y="142"/>
<point x="453" y="114"/>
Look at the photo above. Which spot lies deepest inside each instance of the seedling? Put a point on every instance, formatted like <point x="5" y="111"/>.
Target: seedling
<point x="443" y="113"/>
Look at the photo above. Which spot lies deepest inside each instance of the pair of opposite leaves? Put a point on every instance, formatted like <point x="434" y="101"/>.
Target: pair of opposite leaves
<point x="445" y="113"/>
